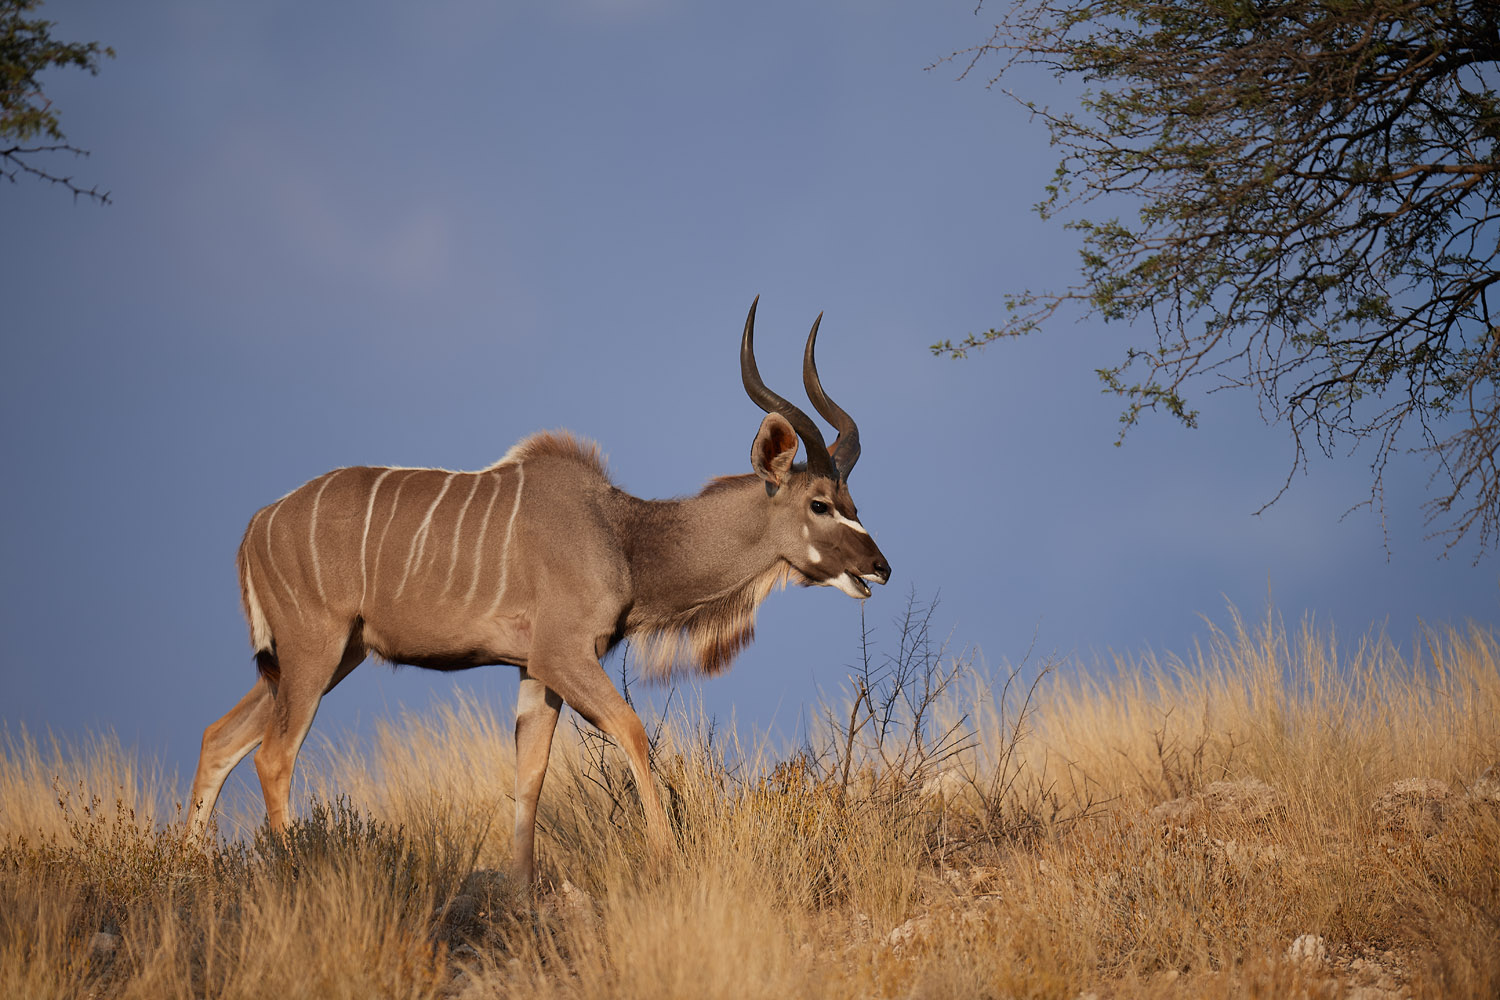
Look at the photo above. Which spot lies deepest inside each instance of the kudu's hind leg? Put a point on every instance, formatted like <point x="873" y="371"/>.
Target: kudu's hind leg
<point x="308" y="671"/>
<point x="537" y="708"/>
<point x="225" y="744"/>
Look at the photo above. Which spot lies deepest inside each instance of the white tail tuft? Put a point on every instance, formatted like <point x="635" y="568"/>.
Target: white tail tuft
<point x="260" y="629"/>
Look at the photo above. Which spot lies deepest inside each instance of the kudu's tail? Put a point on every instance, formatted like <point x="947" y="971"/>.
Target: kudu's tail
<point x="261" y="639"/>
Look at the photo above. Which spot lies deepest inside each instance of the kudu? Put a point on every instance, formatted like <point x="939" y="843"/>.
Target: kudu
<point x="540" y="562"/>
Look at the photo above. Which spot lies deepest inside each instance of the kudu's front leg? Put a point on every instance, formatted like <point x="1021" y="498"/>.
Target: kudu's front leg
<point x="582" y="683"/>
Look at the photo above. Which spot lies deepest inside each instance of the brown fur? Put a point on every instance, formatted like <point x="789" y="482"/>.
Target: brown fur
<point x="720" y="484"/>
<point x="557" y="444"/>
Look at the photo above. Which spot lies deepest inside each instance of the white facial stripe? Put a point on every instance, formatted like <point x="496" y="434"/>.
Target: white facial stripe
<point x="846" y="522"/>
<point x="813" y="555"/>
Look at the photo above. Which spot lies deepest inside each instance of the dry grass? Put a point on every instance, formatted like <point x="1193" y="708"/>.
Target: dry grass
<point x="1151" y="827"/>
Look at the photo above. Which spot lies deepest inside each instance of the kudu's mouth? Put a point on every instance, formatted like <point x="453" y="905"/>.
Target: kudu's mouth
<point x="859" y="586"/>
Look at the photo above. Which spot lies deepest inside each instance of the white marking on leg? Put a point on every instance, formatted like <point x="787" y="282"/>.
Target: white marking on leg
<point x="312" y="534"/>
<point x="458" y="528"/>
<point x="848" y="523"/>
<point x="813" y="555"/>
<point x="380" y="546"/>
<point x="530" y="697"/>
<point x="419" y="539"/>
<point x="484" y="528"/>
<point x="271" y="559"/>
<point x="510" y="530"/>
<point x="364" y="538"/>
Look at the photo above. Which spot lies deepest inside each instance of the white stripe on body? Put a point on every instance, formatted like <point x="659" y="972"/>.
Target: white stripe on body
<point x="479" y="545"/>
<point x="458" y="528"/>
<point x="510" y="529"/>
<point x="380" y="546"/>
<point x="419" y="538"/>
<point x="312" y="534"/>
<point x="364" y="539"/>
<point x="271" y="559"/>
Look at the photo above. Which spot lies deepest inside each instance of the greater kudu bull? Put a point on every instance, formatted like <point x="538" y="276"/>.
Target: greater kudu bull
<point x="540" y="562"/>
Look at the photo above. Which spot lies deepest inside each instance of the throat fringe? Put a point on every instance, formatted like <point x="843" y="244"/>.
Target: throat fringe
<point x="706" y="638"/>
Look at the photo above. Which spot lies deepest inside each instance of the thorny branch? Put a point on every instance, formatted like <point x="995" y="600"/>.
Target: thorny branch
<point x="1317" y="199"/>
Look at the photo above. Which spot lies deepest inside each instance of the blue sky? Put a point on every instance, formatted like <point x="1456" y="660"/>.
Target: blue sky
<point x="413" y="236"/>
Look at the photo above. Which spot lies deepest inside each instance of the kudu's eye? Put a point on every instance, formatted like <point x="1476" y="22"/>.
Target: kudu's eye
<point x="819" y="507"/>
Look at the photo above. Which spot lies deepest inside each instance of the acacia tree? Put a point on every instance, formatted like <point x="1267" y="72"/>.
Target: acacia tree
<point x="30" y="136"/>
<point x="1317" y="217"/>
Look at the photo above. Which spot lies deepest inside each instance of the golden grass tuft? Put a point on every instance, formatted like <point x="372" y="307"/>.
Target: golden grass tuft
<point x="1148" y="827"/>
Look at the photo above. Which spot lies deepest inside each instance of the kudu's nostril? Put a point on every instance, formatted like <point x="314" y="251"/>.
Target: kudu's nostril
<point x="883" y="569"/>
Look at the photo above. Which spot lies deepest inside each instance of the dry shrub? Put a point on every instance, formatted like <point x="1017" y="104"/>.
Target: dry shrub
<point x="1328" y="723"/>
<point x="1001" y="950"/>
<point x="1211" y="888"/>
<point x="44" y="939"/>
<point x="444" y="776"/>
<point x="113" y="907"/>
<point x="339" y="933"/>
<point x="1457" y="927"/>
<point x="96" y="772"/>
<point x="1147" y="903"/>
<point x="698" y="935"/>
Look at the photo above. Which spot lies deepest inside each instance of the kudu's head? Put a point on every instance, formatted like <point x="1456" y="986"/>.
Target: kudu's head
<point x="814" y="524"/>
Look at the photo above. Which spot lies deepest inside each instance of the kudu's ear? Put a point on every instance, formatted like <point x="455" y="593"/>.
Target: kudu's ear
<point x="774" y="448"/>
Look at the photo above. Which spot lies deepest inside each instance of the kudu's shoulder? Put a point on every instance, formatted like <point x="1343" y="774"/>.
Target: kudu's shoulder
<point x="561" y="447"/>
